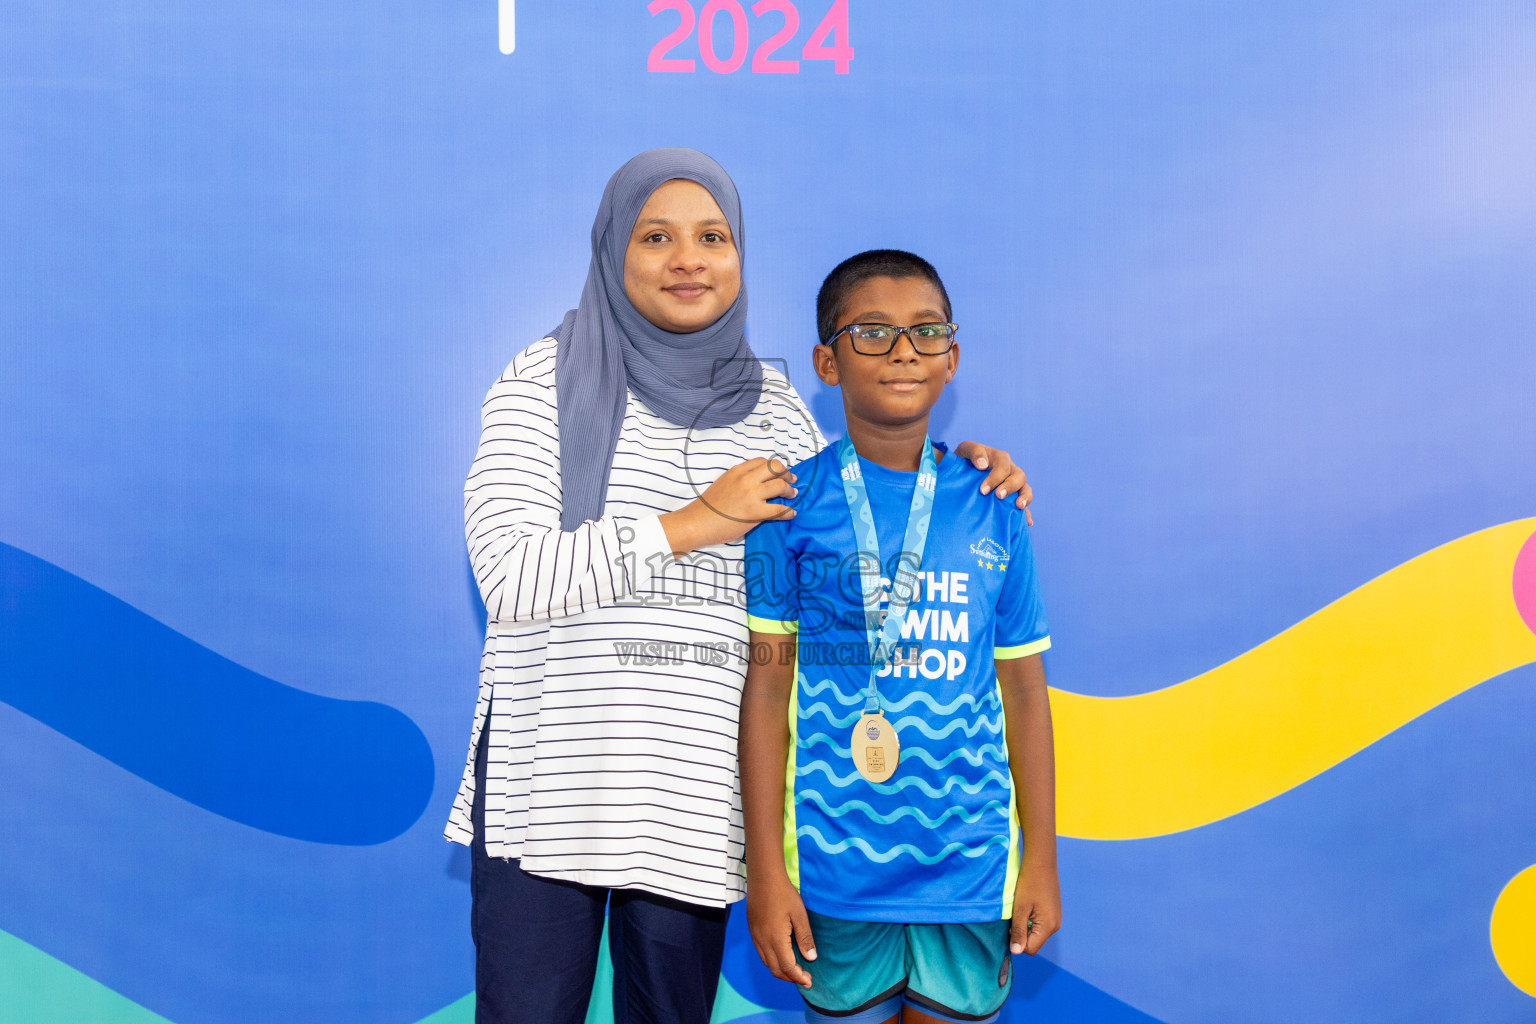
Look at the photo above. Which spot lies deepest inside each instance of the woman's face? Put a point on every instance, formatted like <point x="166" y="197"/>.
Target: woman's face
<point x="681" y="270"/>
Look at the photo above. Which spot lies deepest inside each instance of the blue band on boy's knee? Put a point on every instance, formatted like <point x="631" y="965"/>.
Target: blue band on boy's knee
<point x="881" y="1011"/>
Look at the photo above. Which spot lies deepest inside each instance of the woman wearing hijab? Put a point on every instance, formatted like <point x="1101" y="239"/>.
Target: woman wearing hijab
<point x="621" y="460"/>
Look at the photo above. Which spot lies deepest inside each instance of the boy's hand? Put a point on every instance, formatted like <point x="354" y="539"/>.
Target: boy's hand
<point x="1003" y="476"/>
<point x="777" y="921"/>
<point x="1036" y="912"/>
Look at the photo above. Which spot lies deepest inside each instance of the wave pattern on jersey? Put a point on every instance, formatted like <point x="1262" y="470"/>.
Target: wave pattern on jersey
<point x="925" y="788"/>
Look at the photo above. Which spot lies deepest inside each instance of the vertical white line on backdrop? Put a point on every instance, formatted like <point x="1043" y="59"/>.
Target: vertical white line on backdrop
<point x="506" y="24"/>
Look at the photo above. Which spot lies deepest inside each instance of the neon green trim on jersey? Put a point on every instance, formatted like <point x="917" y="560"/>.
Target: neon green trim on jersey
<point x="1011" y="877"/>
<point x="791" y="842"/>
<point x="1020" y="651"/>
<point x="758" y="625"/>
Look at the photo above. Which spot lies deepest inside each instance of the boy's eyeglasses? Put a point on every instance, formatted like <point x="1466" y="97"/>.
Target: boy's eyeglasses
<point x="879" y="339"/>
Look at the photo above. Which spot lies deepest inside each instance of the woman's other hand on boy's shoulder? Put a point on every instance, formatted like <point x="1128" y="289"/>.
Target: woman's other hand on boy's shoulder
<point x="1003" y="477"/>
<point x="777" y="921"/>
<point x="1036" y="909"/>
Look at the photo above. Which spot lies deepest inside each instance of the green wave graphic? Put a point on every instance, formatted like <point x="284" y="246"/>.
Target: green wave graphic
<point x="37" y="987"/>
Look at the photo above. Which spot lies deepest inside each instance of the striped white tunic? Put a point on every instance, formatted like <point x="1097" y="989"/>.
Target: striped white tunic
<point x="612" y="673"/>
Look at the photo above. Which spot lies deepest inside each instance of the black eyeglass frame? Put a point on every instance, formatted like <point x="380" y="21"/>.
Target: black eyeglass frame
<point x="897" y="332"/>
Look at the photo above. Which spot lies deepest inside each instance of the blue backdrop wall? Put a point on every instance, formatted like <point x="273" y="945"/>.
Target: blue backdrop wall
<point x="1247" y="289"/>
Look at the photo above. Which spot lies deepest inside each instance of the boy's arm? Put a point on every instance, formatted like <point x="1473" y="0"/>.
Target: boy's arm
<point x="775" y="914"/>
<point x="1032" y="760"/>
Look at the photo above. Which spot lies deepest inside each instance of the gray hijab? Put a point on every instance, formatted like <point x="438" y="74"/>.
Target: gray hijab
<point x="709" y="378"/>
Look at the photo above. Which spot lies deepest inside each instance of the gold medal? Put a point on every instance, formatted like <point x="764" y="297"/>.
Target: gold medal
<point x="874" y="747"/>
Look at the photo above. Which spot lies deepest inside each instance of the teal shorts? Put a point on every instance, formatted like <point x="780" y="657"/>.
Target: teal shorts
<point x="867" y="969"/>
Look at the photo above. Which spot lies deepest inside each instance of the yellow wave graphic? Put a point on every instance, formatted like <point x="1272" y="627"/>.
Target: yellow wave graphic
<point x="1301" y="702"/>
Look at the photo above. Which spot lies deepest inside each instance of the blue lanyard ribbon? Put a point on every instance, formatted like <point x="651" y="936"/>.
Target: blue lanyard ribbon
<point x="882" y="635"/>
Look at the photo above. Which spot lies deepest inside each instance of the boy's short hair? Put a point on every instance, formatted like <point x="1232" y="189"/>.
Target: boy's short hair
<point x="855" y="270"/>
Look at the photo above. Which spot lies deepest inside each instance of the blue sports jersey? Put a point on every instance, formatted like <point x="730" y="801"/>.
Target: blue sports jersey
<point x="938" y="841"/>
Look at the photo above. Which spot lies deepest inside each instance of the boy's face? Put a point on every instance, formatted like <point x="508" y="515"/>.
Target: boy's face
<point x="902" y="385"/>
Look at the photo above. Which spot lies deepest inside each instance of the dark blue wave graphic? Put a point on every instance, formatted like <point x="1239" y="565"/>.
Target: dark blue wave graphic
<point x="198" y="725"/>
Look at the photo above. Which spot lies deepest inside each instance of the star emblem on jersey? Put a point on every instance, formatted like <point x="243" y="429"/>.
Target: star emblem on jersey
<point x="990" y="555"/>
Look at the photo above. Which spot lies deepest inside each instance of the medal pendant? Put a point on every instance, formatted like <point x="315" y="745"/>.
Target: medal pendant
<point x="875" y="748"/>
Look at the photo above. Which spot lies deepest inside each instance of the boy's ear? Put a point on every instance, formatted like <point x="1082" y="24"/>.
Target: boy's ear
<point x="825" y="362"/>
<point x="954" y="362"/>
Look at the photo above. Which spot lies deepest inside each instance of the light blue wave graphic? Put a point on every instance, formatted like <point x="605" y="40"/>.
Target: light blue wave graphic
<point x="972" y="757"/>
<point x="812" y="688"/>
<point x="992" y="725"/>
<point x="905" y="811"/>
<point x="905" y="782"/>
<point x="965" y="700"/>
<point x="821" y="737"/>
<point x="903" y="849"/>
<point x="821" y="708"/>
<point x="969" y="702"/>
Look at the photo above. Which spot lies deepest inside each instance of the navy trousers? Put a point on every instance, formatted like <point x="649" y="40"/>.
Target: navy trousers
<point x="536" y="944"/>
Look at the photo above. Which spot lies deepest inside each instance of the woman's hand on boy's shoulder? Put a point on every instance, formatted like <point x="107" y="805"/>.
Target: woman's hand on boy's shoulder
<point x="1003" y="477"/>
<point x="777" y="921"/>
<point x="738" y="500"/>
<point x="1036" y="910"/>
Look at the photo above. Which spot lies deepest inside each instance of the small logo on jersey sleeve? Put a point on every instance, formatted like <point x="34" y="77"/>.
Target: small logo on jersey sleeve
<point x="990" y="555"/>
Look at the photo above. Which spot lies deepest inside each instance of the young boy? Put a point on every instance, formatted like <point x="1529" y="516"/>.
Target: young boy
<point x="896" y="754"/>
